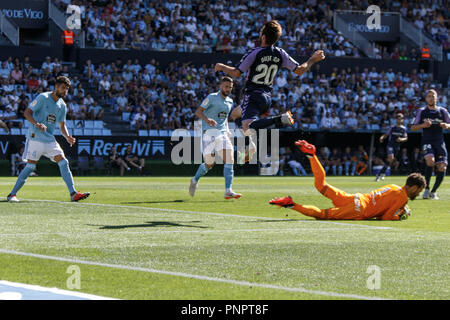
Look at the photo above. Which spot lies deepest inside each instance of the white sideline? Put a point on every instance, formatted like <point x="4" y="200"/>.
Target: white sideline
<point x="200" y="212"/>
<point x="192" y="276"/>
<point x="54" y="290"/>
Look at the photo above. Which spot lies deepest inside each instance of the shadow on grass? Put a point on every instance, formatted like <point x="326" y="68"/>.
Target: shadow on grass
<point x="173" y="201"/>
<point x="151" y="224"/>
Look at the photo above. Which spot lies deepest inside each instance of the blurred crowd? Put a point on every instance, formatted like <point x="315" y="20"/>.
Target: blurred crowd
<point x="233" y="26"/>
<point x="22" y="81"/>
<point x="166" y="98"/>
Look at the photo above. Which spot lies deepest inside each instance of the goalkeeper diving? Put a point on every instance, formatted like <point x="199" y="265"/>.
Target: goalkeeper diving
<point x="386" y="203"/>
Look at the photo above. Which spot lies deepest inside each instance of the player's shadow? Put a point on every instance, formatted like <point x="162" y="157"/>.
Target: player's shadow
<point x="172" y="201"/>
<point x="151" y="224"/>
<point x="274" y="220"/>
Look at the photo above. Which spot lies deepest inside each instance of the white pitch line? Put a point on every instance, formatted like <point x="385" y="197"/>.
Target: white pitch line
<point x="201" y="212"/>
<point x="54" y="290"/>
<point x="192" y="276"/>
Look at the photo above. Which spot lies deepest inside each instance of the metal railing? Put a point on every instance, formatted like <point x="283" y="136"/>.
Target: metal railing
<point x="420" y="38"/>
<point x="60" y="18"/>
<point x="10" y="30"/>
<point x="354" y="36"/>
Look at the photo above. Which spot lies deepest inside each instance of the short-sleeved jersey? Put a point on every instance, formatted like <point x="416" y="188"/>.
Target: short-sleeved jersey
<point x="218" y="109"/>
<point x="395" y="132"/>
<point x="383" y="203"/>
<point x="262" y="64"/>
<point x="48" y="112"/>
<point x="437" y="116"/>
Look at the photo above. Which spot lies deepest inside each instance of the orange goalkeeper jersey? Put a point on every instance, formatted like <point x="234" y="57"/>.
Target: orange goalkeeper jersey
<point x="383" y="203"/>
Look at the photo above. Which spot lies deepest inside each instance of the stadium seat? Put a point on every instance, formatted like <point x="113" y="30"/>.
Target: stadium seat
<point x="98" y="124"/>
<point x="24" y="131"/>
<point x="2" y="131"/>
<point x="126" y="116"/>
<point x="313" y="126"/>
<point x="69" y="124"/>
<point x="88" y="132"/>
<point x="16" y="131"/>
<point x="99" y="164"/>
<point x="106" y="132"/>
<point x="57" y="132"/>
<point x="89" y="124"/>
<point x="163" y="133"/>
<point x="78" y="132"/>
<point x="83" y="165"/>
<point x="375" y="127"/>
<point x="98" y="132"/>
<point x="142" y="133"/>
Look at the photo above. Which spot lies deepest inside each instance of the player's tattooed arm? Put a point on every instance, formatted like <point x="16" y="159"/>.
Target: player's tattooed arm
<point x="199" y="113"/>
<point x="28" y="114"/>
<point x="231" y="71"/>
<point x="305" y="67"/>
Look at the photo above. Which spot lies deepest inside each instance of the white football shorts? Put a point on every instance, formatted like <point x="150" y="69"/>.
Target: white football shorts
<point x="34" y="150"/>
<point x="216" y="143"/>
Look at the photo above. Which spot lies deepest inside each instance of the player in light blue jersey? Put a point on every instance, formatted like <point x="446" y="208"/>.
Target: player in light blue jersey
<point x="43" y="113"/>
<point x="214" y="112"/>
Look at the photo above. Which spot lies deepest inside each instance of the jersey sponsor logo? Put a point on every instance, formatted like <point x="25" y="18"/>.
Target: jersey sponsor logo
<point x="205" y="103"/>
<point x="33" y="103"/>
<point x="222" y="115"/>
<point x="51" y="118"/>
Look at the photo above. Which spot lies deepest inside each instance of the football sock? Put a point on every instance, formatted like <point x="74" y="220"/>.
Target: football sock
<point x="201" y="171"/>
<point x="29" y="168"/>
<point x="428" y="173"/>
<point x="66" y="175"/>
<point x="228" y="173"/>
<point x="266" y="122"/>
<point x="439" y="177"/>
<point x="383" y="170"/>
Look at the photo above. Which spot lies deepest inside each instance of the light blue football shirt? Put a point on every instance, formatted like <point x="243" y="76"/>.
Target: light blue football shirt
<point x="216" y="108"/>
<point x="46" y="111"/>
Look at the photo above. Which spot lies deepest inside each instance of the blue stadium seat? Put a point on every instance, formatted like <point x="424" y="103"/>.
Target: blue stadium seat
<point x="24" y="131"/>
<point x="143" y="133"/>
<point x="375" y="127"/>
<point x="89" y="124"/>
<point x="2" y="131"/>
<point x="163" y="133"/>
<point x="98" y="124"/>
<point x="98" y="132"/>
<point x="88" y="132"/>
<point x="313" y="126"/>
<point x="69" y="124"/>
<point x="16" y="131"/>
<point x="106" y="132"/>
<point x="78" y="132"/>
<point x="126" y="116"/>
<point x="153" y="133"/>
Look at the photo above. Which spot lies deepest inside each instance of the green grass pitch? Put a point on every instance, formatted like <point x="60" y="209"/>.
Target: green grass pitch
<point x="146" y="238"/>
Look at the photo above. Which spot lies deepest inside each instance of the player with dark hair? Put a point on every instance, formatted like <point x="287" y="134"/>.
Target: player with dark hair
<point x="261" y="65"/>
<point x="43" y="113"/>
<point x="433" y="119"/>
<point x="395" y="135"/>
<point x="214" y="112"/>
<point x="386" y="203"/>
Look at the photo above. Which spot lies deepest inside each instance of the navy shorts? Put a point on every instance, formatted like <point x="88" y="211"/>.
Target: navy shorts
<point x="437" y="149"/>
<point x="392" y="149"/>
<point x="255" y="104"/>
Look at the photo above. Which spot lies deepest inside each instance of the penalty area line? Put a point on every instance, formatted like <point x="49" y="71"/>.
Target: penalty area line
<point x="205" y="213"/>
<point x="192" y="276"/>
